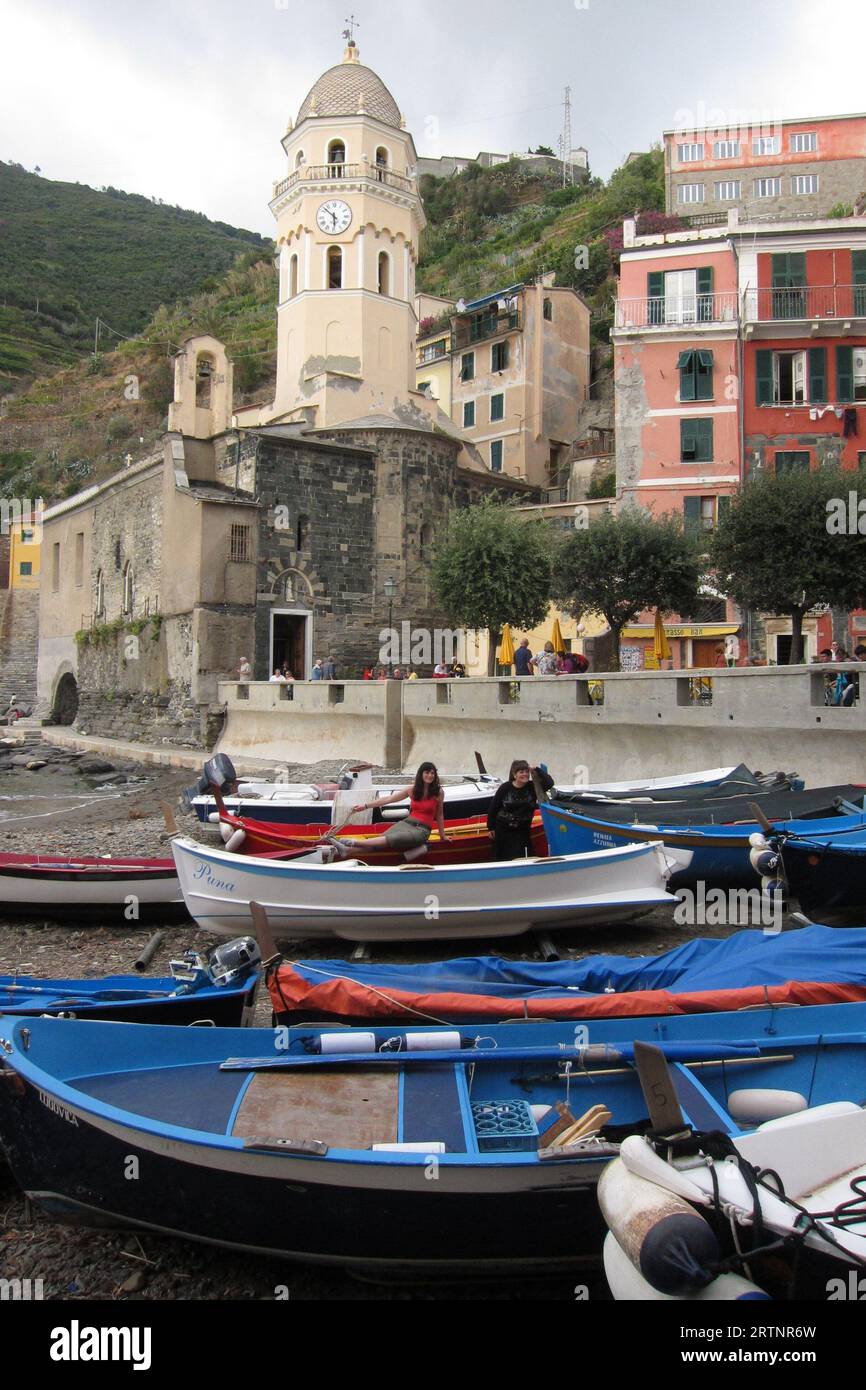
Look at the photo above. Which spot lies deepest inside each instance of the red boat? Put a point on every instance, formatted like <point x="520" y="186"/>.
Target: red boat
<point x="469" y="840"/>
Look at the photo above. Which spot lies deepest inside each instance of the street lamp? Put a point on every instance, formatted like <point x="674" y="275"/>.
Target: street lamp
<point x="390" y="587"/>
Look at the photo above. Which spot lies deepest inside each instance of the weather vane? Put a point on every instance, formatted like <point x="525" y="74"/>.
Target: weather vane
<point x="349" y="32"/>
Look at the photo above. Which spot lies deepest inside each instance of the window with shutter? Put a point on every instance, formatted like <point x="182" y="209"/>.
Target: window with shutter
<point x="789" y="281"/>
<point x="655" y="289"/>
<point x="858" y="268"/>
<point x="705" y="293"/>
<point x="818" y="375"/>
<point x="692" y="514"/>
<point x="468" y="414"/>
<point x="764" y="376"/>
<point x="696" y="440"/>
<point x="696" y="375"/>
<point x="787" y="460"/>
<point x="467" y="366"/>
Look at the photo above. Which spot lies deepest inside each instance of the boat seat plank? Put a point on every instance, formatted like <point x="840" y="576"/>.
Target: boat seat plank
<point x="431" y="1107"/>
<point x="809" y="1156"/>
<point x="194" y="1097"/>
<point x="345" y="1110"/>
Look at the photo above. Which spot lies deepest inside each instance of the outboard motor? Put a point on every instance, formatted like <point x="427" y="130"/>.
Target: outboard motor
<point x="218" y="771"/>
<point x="223" y="965"/>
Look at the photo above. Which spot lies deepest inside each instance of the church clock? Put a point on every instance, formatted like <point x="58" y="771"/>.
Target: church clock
<point x="334" y="216"/>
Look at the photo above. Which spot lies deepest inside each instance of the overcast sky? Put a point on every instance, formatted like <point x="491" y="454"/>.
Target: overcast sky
<point x="186" y="100"/>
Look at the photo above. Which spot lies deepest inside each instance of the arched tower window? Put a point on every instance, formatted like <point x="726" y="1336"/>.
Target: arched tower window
<point x="299" y="159"/>
<point x="384" y="273"/>
<point x="203" y="381"/>
<point x="293" y="276"/>
<point x="303" y="532"/>
<point x="335" y="268"/>
<point x="128" y="588"/>
<point x="381" y="163"/>
<point x="336" y="159"/>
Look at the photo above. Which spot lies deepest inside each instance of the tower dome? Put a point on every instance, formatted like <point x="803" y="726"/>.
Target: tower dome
<point x="350" y="88"/>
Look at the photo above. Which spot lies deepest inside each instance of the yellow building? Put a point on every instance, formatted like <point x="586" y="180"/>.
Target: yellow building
<point x="349" y="218"/>
<point x="433" y="348"/>
<point x="25" y="554"/>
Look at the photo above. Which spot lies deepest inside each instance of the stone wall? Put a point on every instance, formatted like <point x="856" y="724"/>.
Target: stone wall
<point x="138" y="686"/>
<point x="127" y="529"/>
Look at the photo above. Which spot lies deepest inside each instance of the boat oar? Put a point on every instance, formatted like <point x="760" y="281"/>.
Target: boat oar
<point x="479" y="762"/>
<point x="765" y="825"/>
<point x="675" y="1052"/>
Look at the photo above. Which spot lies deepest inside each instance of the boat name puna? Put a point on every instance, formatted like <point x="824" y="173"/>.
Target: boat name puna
<point x="733" y="907"/>
<point x="204" y="871"/>
<point x="77" y="1343"/>
<point x="57" y="1109"/>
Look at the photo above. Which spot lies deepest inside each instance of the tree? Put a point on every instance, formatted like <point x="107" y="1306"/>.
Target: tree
<point x="492" y="568"/>
<point x="786" y="544"/>
<point x="544" y="149"/>
<point x="620" y="565"/>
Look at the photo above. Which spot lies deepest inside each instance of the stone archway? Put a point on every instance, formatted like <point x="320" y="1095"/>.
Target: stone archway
<point x="64" y="706"/>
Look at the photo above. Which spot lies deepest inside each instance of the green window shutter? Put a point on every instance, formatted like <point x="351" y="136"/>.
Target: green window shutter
<point x="655" y="288"/>
<point x="764" y="376"/>
<point x="704" y="279"/>
<point x="844" y="374"/>
<point x="688" y="443"/>
<point x="705" y="441"/>
<point x="703" y="376"/>
<point x="818" y="375"/>
<point x="789" y="270"/>
<point x="858" y="267"/>
<point x="692" y="514"/>
<point x="688" y="376"/>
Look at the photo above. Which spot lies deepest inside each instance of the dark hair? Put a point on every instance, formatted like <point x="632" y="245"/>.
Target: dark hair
<point x="419" y="791"/>
<point x="519" y="765"/>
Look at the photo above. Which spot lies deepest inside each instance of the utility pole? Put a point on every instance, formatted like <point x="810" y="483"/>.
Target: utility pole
<point x="565" y="141"/>
<point x="96" y="339"/>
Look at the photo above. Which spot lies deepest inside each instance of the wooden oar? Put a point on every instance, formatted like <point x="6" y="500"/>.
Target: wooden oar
<point x="264" y="936"/>
<point x="676" y="1052"/>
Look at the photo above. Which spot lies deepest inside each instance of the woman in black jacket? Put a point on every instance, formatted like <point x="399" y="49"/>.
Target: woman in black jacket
<point x="509" y="819"/>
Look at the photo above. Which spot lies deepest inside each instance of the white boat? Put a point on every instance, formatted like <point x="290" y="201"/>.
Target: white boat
<point x="308" y="897"/>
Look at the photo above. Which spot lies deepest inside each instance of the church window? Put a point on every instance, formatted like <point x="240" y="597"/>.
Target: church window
<point x="293" y="277"/>
<point x="240" y="544"/>
<point x="303" y="532"/>
<point x="384" y="273"/>
<point x="381" y="163"/>
<point x="336" y="159"/>
<point x="335" y="268"/>
<point x="128" y="588"/>
<point x="426" y="541"/>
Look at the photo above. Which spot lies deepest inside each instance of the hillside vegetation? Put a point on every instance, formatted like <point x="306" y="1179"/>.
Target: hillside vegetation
<point x="69" y="253"/>
<point x="487" y="229"/>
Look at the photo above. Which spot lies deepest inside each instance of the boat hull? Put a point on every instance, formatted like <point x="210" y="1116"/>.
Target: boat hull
<point x="366" y="903"/>
<point x="109" y="890"/>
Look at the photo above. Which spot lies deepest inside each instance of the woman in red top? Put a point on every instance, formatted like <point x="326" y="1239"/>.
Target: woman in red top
<point x="426" y="803"/>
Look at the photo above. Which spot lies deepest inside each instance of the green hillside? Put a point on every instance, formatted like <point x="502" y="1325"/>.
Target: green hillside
<point x="69" y="253"/>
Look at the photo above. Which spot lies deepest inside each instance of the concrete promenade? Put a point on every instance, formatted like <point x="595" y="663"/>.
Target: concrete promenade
<point x="603" y="727"/>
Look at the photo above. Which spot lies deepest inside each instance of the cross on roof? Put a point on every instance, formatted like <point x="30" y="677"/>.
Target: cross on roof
<point x="352" y="24"/>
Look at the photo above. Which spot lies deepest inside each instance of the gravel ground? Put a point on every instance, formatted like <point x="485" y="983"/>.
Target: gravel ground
<point x="57" y="808"/>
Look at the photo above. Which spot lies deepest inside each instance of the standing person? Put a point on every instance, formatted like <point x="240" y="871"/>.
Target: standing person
<point x="329" y="669"/>
<point x="398" y="674"/>
<point x="368" y="673"/>
<point x="245" y="670"/>
<point x="523" y="663"/>
<point x="317" y="673"/>
<point x="277" y="678"/>
<point x="545" y="662"/>
<point x="426" y="810"/>
<point x="509" y="819"/>
<point x="440" y="670"/>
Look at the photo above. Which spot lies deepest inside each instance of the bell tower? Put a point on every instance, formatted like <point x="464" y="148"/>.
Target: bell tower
<point x="349" y="217"/>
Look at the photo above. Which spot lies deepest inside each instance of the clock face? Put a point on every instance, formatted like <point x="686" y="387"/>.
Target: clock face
<point x="334" y="216"/>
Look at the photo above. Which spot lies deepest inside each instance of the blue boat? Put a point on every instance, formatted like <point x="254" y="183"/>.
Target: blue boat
<point x="827" y="875"/>
<point x="720" y="853"/>
<point x="420" y="1148"/>
<point x="220" y="989"/>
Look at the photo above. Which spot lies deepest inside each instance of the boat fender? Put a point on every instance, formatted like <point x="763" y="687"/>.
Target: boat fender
<point x="433" y="1042"/>
<point x="214" y="818"/>
<point x="226" y="830"/>
<point x="817" y="1112"/>
<point x="758" y="841"/>
<point x="754" y="1107"/>
<point x="765" y="861"/>
<point x="644" y="1162"/>
<point x="667" y="1241"/>
<point x="626" y="1284"/>
<point x="774" y="888"/>
<point x="435" y="1146"/>
<point x="347" y="1042"/>
<point x="235" y="841"/>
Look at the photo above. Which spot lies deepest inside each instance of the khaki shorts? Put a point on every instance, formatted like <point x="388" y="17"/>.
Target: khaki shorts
<point x="407" y="834"/>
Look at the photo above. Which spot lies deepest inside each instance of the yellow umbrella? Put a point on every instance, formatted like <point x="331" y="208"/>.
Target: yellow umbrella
<point x="506" y="647"/>
<point x="661" y="645"/>
<point x="556" y="638"/>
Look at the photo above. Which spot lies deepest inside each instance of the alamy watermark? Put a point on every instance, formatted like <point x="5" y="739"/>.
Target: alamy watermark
<point x="421" y="646"/>
<point x="22" y="514"/>
<point x="846" y="516"/>
<point x="730" y="907"/>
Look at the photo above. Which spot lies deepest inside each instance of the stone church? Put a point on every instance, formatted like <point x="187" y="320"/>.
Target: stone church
<point x="269" y="532"/>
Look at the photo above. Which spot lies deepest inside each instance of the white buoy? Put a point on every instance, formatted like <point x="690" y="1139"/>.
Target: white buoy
<point x="667" y="1241"/>
<point x="755" y="1107"/>
<point x="235" y="841"/>
<point x="349" y="1041"/>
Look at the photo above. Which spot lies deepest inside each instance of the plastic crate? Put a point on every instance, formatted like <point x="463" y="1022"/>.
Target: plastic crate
<point x="504" y="1126"/>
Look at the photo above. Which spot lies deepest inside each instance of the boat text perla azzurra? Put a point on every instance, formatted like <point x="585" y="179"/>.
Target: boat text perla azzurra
<point x="305" y="897"/>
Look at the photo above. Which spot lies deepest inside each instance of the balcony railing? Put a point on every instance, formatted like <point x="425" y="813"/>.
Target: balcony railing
<point x="476" y="327"/>
<point x="809" y="302"/>
<point x="660" y="311"/>
<point x="347" y="173"/>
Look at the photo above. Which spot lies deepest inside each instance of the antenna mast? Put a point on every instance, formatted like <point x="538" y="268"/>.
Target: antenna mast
<point x="565" y="141"/>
